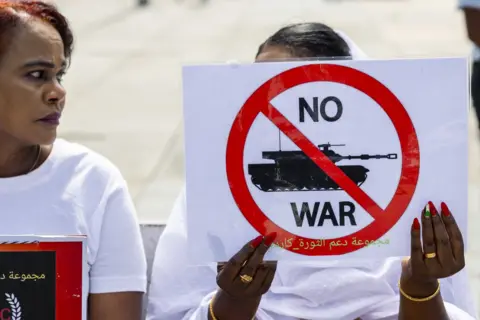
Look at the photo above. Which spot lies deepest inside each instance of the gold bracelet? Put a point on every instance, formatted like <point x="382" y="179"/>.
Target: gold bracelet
<point x="418" y="299"/>
<point x="210" y="309"/>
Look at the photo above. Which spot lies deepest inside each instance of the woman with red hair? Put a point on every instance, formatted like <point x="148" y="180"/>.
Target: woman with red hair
<point x="57" y="187"/>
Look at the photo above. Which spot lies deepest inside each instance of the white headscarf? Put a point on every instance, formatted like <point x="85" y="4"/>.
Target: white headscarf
<point x="308" y="290"/>
<point x="357" y="53"/>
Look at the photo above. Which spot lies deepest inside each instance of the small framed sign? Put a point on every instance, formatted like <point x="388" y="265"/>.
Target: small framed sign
<point x="42" y="277"/>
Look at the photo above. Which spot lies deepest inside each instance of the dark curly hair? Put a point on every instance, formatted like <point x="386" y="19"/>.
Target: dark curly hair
<point x="309" y="40"/>
<point x="10" y="19"/>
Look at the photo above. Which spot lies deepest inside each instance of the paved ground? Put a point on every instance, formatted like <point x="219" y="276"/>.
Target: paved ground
<point x="125" y="85"/>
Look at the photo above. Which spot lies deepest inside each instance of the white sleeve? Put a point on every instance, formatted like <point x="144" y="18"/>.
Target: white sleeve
<point x="178" y="290"/>
<point x="456" y="313"/>
<point x="456" y="294"/>
<point x="458" y="297"/>
<point x="120" y="263"/>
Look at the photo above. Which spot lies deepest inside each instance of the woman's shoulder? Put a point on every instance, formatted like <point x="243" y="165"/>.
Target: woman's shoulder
<point x="79" y="159"/>
<point x="86" y="173"/>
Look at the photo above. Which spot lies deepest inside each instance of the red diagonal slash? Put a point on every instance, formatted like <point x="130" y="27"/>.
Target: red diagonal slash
<point x="317" y="156"/>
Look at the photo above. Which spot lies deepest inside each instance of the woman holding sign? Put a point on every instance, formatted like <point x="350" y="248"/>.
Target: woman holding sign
<point x="432" y="284"/>
<point x="49" y="186"/>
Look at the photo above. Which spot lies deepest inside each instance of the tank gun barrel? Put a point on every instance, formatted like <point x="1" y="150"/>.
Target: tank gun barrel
<point x="368" y="156"/>
<point x="291" y="155"/>
<point x="328" y="145"/>
<point x="275" y="155"/>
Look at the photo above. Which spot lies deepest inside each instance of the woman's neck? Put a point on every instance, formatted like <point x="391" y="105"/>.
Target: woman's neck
<point x="17" y="159"/>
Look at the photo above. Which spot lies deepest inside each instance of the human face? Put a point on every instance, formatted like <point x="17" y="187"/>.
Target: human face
<point x="31" y="96"/>
<point x="274" y="53"/>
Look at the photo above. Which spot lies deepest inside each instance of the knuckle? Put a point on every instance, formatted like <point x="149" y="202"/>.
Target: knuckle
<point x="266" y="286"/>
<point x="429" y="244"/>
<point x="437" y="220"/>
<point x="265" y="289"/>
<point x="444" y="241"/>
<point x="460" y="265"/>
<point x="247" y="247"/>
<point x="220" y="267"/>
<point x="450" y="218"/>
<point x="415" y="234"/>
<point x="221" y="282"/>
<point x="456" y="268"/>
<point x="416" y="248"/>
<point x="449" y="269"/>
<point x="262" y="249"/>
<point x="448" y="222"/>
<point x="234" y="263"/>
<point x="237" y="263"/>
<point x="458" y="238"/>
<point x="416" y="245"/>
<point x="248" y="269"/>
<point x="269" y="264"/>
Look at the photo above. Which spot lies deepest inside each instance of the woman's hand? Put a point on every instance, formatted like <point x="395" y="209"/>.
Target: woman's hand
<point x="440" y="256"/>
<point x="243" y="280"/>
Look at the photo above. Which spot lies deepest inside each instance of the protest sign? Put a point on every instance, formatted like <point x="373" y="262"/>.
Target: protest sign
<point x="335" y="157"/>
<point x="42" y="278"/>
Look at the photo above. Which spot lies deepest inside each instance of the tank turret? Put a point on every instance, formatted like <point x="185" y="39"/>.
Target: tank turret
<point x="295" y="171"/>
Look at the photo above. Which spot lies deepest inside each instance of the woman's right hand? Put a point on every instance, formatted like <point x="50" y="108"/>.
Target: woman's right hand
<point x="243" y="280"/>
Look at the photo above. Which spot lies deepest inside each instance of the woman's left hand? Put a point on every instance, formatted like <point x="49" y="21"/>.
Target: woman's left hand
<point x="440" y="256"/>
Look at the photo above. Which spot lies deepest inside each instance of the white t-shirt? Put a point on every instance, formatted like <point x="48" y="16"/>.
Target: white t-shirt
<point x="79" y="192"/>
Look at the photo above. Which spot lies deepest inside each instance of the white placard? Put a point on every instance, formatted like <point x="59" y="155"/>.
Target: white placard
<point x="323" y="153"/>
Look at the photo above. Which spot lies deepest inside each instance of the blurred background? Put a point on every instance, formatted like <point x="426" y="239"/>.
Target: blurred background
<point x="124" y="86"/>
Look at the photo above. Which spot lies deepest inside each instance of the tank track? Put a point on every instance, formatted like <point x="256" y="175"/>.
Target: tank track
<point x="295" y="189"/>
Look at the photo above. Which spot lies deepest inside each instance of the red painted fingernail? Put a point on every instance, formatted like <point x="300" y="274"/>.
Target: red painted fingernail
<point x="416" y="224"/>
<point x="433" y="210"/>
<point x="445" y="211"/>
<point x="270" y="238"/>
<point x="256" y="242"/>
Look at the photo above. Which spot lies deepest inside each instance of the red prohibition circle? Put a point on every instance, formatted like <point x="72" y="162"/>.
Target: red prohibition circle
<point x="258" y="103"/>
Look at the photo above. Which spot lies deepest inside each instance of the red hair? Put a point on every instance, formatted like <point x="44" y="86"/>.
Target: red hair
<point x="10" y="19"/>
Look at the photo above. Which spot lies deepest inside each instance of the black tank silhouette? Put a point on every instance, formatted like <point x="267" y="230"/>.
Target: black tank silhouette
<point x="295" y="171"/>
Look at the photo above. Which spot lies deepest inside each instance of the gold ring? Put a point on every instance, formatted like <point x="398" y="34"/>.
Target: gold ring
<point x="430" y="255"/>
<point x="246" y="278"/>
